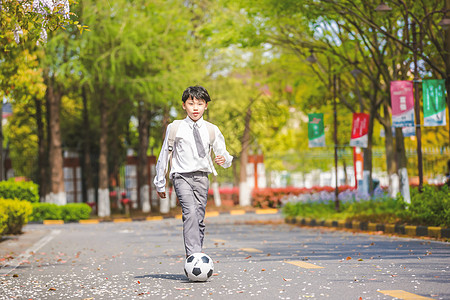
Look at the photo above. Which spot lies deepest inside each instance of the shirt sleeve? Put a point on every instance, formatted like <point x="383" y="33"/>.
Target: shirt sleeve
<point x="219" y="148"/>
<point x="161" y="165"/>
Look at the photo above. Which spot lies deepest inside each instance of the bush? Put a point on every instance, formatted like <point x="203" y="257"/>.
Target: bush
<point x="22" y="190"/>
<point x="3" y="219"/>
<point x="68" y="212"/>
<point x="75" y="211"/>
<point x="45" y="211"/>
<point x="17" y="213"/>
<point x="431" y="207"/>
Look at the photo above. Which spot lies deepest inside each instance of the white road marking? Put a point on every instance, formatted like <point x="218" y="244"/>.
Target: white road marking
<point x="13" y="264"/>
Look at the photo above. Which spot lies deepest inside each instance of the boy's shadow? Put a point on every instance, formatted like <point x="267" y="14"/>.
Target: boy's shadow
<point x="177" y="277"/>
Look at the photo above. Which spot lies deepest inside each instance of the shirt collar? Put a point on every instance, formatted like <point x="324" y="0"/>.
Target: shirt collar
<point x="191" y="123"/>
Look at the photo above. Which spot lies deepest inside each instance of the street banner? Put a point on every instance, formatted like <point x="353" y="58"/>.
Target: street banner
<point x="402" y="102"/>
<point x="434" y="102"/>
<point x="316" y="132"/>
<point x="360" y="130"/>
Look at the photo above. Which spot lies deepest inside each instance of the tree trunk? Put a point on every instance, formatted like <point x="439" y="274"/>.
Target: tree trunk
<point x="368" y="156"/>
<point x="216" y="192"/>
<point x="89" y="182"/>
<point x="104" y="209"/>
<point x="42" y="153"/>
<point x="142" y="168"/>
<point x="57" y="194"/>
<point x="447" y="63"/>
<point x="391" y="162"/>
<point x="164" y="204"/>
<point x="244" y="190"/>
<point x="402" y="163"/>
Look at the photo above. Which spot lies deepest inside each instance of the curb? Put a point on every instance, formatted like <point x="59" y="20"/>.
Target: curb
<point x="157" y="218"/>
<point x="415" y="231"/>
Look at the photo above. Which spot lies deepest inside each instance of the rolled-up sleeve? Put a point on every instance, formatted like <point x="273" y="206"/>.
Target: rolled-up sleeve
<point x="219" y="148"/>
<point x="161" y="165"/>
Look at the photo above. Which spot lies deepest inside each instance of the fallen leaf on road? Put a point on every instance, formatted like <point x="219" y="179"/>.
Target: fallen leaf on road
<point x="248" y="257"/>
<point x="181" y="289"/>
<point x="52" y="289"/>
<point x="348" y="258"/>
<point x="286" y="279"/>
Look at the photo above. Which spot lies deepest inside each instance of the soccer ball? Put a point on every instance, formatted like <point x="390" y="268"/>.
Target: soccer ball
<point x="198" y="267"/>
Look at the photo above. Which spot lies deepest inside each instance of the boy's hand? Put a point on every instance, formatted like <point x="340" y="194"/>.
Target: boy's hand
<point x="220" y="160"/>
<point x="162" y="194"/>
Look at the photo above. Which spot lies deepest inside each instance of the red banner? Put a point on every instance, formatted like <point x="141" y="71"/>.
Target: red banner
<point x="360" y="130"/>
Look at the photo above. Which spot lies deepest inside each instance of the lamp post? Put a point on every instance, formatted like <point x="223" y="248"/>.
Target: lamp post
<point x="416" y="80"/>
<point x="336" y="190"/>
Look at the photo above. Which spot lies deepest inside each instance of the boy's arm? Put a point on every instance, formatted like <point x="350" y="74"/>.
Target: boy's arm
<point x="161" y="165"/>
<point x="220" y="150"/>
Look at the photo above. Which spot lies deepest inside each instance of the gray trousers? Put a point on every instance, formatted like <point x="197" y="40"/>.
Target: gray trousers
<point x="192" y="192"/>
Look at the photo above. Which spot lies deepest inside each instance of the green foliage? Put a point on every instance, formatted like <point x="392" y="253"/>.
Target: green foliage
<point x="17" y="213"/>
<point x="381" y="210"/>
<point x="22" y="190"/>
<point x="431" y="207"/>
<point x="3" y="219"/>
<point x="45" y="211"/>
<point x="68" y="212"/>
<point x="311" y="210"/>
<point x="75" y="212"/>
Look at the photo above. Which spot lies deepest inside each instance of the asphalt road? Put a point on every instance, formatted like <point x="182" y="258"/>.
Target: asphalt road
<point x="138" y="260"/>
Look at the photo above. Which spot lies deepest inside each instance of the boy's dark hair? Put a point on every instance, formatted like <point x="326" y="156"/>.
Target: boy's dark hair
<point x="197" y="91"/>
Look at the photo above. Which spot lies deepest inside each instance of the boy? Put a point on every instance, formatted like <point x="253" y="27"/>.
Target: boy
<point x="191" y="164"/>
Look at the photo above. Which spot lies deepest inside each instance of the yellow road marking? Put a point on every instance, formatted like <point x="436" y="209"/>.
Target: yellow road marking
<point x="303" y="264"/>
<point x="89" y="221"/>
<point x="53" y="222"/>
<point x="237" y="212"/>
<point x="266" y="211"/>
<point x="179" y="217"/>
<point x="212" y="214"/>
<point x="123" y="220"/>
<point x="403" y="295"/>
<point x="154" y="218"/>
<point x="218" y="240"/>
<point x="253" y="250"/>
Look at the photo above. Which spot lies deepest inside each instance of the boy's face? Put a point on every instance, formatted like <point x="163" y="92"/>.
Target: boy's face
<point x="195" y="108"/>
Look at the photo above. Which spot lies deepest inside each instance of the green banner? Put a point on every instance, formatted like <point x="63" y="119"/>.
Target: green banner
<point x="316" y="132"/>
<point x="434" y="102"/>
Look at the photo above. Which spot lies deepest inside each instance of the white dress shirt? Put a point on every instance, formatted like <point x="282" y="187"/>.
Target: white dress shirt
<point x="185" y="158"/>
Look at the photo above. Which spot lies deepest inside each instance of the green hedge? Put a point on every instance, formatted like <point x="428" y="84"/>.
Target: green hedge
<point x="75" y="211"/>
<point x="429" y="208"/>
<point x="68" y="212"/>
<point x="15" y="214"/>
<point x="3" y="219"/>
<point x="22" y="190"/>
<point x="45" y="211"/>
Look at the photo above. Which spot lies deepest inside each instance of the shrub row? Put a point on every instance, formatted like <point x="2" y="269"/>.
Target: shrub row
<point x="68" y="212"/>
<point x="429" y="208"/>
<point x="13" y="215"/>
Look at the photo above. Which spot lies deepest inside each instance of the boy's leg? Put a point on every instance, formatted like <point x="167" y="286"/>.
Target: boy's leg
<point x="200" y="188"/>
<point x="189" y="189"/>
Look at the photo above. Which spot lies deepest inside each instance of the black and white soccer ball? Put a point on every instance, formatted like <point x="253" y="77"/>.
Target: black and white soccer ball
<point x="198" y="267"/>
